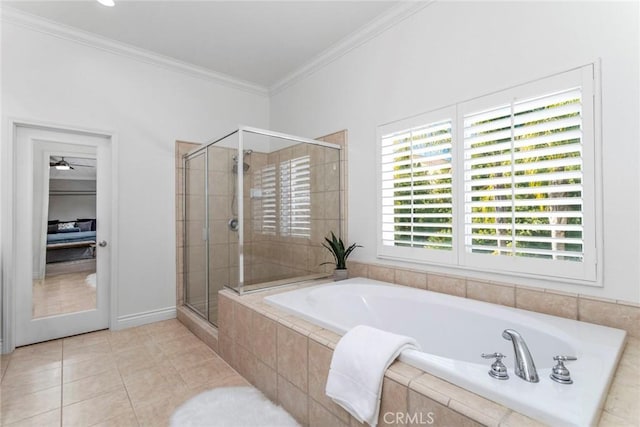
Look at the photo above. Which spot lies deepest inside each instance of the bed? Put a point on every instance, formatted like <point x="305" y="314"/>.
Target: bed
<point x="70" y="244"/>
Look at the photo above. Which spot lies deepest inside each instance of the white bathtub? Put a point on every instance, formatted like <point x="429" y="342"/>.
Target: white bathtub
<point x="454" y="331"/>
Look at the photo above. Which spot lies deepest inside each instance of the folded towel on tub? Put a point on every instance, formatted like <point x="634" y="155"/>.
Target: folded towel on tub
<point x="357" y="369"/>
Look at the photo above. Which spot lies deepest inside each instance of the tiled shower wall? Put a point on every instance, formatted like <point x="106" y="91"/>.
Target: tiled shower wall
<point x="274" y="256"/>
<point x="267" y="257"/>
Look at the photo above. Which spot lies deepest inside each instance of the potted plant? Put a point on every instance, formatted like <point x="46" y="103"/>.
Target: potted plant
<point x="340" y="254"/>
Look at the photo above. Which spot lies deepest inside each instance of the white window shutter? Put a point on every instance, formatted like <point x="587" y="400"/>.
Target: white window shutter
<point x="295" y="197"/>
<point x="416" y="187"/>
<point x="523" y="178"/>
<point x="265" y="206"/>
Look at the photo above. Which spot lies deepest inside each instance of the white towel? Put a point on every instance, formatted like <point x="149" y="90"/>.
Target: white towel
<point x="357" y="369"/>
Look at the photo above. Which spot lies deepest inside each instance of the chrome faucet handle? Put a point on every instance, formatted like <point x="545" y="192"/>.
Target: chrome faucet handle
<point x="498" y="369"/>
<point x="560" y="373"/>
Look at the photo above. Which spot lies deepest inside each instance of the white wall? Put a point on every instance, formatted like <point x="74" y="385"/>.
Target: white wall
<point x="45" y="78"/>
<point x="64" y="206"/>
<point x="453" y="51"/>
<point x="71" y="207"/>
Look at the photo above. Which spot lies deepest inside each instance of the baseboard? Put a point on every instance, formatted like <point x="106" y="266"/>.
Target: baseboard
<point x="146" y="317"/>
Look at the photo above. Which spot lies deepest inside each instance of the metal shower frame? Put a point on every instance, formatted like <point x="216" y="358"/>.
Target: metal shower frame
<point x="240" y="197"/>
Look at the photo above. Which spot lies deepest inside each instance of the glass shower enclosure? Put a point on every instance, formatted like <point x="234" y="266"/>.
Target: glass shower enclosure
<point x="257" y="206"/>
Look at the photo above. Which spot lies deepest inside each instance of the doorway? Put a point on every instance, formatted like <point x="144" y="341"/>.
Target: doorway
<point x="62" y="206"/>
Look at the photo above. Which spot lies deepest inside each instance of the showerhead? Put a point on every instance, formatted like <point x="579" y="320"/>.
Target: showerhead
<point x="245" y="154"/>
<point x="245" y="165"/>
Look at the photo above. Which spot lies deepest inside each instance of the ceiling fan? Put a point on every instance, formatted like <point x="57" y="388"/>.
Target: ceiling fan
<point x="64" y="165"/>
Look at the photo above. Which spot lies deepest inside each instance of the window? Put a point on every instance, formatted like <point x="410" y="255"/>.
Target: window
<point x="287" y="212"/>
<point x="523" y="178"/>
<point x="295" y="197"/>
<point x="504" y="182"/>
<point x="416" y="185"/>
<point x="264" y="206"/>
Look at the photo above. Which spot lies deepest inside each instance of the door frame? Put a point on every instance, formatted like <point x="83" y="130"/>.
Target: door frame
<point x="8" y="180"/>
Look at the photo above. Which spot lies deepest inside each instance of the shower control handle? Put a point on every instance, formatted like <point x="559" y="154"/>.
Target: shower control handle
<point x="498" y="369"/>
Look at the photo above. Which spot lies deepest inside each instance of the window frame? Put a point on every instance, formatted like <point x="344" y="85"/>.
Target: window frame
<point x="587" y="272"/>
<point x="408" y="253"/>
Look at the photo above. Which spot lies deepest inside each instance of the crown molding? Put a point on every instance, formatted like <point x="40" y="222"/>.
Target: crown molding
<point x="371" y="30"/>
<point x="55" y="29"/>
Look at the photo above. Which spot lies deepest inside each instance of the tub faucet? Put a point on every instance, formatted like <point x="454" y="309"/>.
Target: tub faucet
<point x="524" y="366"/>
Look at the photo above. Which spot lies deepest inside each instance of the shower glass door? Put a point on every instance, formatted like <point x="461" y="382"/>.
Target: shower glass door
<point x="195" y="234"/>
<point x="223" y="217"/>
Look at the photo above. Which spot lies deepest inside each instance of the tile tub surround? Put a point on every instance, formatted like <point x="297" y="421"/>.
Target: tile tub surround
<point x="616" y="314"/>
<point x="288" y="359"/>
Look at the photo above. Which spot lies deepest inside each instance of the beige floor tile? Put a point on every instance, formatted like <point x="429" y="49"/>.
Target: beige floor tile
<point x="195" y="356"/>
<point x="189" y="393"/>
<point x="168" y="334"/>
<point x="31" y="365"/>
<point x="166" y="325"/>
<point x="125" y="338"/>
<point x="83" y="340"/>
<point x="157" y="413"/>
<point x="30" y="382"/>
<point x="127" y="419"/>
<point x="215" y="371"/>
<point x="87" y="368"/>
<point x="47" y="419"/>
<point x="89" y="352"/>
<point x="34" y="358"/>
<point x="182" y="344"/>
<point x="4" y="362"/>
<point x="101" y="378"/>
<point x="132" y="360"/>
<point x="50" y="349"/>
<point x="89" y="387"/>
<point x="97" y="410"/>
<point x="16" y="408"/>
<point x="154" y="384"/>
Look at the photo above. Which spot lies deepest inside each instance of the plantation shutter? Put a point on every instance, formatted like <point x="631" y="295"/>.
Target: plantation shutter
<point x="295" y="197"/>
<point x="416" y="187"/>
<point x="523" y="178"/>
<point x="265" y="206"/>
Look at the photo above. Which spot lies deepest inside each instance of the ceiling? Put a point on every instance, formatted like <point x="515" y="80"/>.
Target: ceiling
<point x="83" y="168"/>
<point x="260" y="42"/>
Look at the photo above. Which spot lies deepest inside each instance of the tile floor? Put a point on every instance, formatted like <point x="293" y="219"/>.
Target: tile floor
<point x="134" y="377"/>
<point x="63" y="293"/>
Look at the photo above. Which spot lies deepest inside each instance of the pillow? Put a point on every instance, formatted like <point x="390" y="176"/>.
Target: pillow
<point x="93" y="222"/>
<point x="84" y="225"/>
<point x="66" y="226"/>
<point x="52" y="228"/>
<point x="69" y="230"/>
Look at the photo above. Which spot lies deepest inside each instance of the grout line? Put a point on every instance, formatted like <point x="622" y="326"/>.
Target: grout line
<point x="61" y="380"/>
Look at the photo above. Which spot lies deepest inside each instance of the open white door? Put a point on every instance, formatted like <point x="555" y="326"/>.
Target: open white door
<point x="62" y="268"/>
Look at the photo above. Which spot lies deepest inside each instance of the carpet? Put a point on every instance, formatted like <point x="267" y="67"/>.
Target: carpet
<point x="91" y="280"/>
<point x="231" y="407"/>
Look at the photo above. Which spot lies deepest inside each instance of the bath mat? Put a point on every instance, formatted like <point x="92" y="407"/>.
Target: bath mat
<point x="231" y="407"/>
<point x="91" y="280"/>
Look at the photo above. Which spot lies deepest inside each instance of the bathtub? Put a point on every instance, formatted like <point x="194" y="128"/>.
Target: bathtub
<point x="454" y="331"/>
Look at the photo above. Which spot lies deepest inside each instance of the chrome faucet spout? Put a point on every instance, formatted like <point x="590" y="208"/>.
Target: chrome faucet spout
<point x="524" y="366"/>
